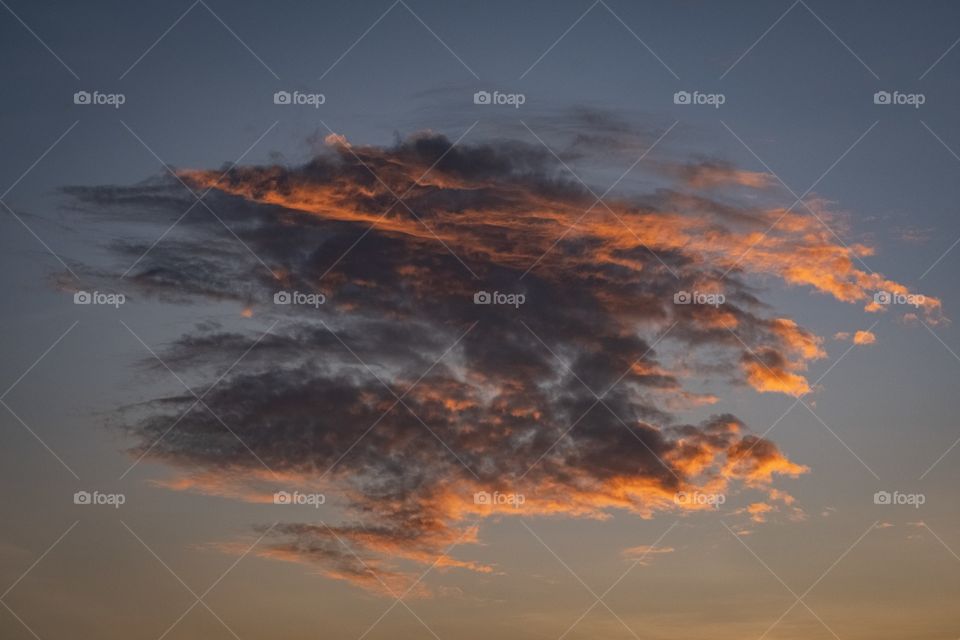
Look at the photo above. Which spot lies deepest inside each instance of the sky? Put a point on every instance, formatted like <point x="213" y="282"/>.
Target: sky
<point x="533" y="320"/>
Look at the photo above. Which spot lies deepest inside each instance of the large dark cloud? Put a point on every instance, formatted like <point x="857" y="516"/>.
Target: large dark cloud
<point x="399" y="397"/>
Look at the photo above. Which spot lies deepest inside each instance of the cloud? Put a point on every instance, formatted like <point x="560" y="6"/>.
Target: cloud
<point x="913" y="235"/>
<point x="644" y="553"/>
<point x="858" y="337"/>
<point x="769" y="372"/>
<point x="399" y="398"/>
<point x="758" y="511"/>
<point x="705" y="174"/>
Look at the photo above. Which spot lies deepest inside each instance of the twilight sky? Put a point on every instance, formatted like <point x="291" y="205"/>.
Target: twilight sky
<point x="468" y="320"/>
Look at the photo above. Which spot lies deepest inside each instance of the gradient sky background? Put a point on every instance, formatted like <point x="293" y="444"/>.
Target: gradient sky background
<point x="198" y="99"/>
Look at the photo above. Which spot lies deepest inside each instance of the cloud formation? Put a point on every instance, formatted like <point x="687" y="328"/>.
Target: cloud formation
<point x="861" y="337"/>
<point x="400" y="399"/>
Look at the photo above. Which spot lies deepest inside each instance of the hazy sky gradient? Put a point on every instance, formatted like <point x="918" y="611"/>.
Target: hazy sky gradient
<point x="798" y="100"/>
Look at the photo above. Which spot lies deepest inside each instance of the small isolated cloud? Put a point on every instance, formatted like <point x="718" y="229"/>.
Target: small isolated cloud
<point x="758" y="511"/>
<point x="858" y="337"/>
<point x="913" y="235"/>
<point x="644" y="553"/>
